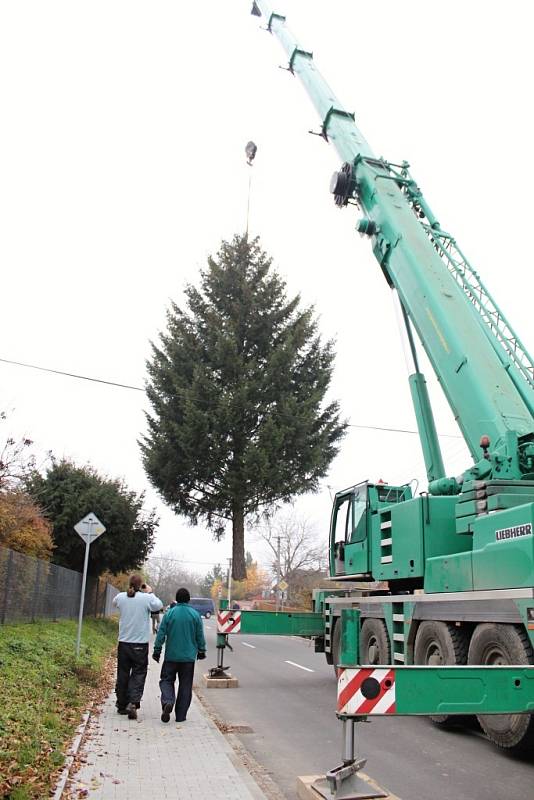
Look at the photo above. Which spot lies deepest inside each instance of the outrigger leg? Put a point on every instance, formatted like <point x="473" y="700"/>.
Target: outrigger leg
<point x="220" y="670"/>
<point x="343" y="782"/>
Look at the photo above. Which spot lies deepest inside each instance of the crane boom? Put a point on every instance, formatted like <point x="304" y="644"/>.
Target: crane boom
<point x="456" y="563"/>
<point x="484" y="370"/>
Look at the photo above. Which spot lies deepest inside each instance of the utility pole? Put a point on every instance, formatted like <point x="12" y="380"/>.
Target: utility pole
<point x="229" y="582"/>
<point x="278" y="575"/>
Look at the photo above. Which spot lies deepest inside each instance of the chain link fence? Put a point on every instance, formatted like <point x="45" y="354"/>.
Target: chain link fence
<point x="31" y="589"/>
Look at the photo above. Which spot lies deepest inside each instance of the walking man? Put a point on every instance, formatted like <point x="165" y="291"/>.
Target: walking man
<point x="135" y="607"/>
<point x="183" y="634"/>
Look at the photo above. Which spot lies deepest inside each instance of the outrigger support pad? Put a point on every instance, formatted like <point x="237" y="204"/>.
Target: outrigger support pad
<point x="343" y="782"/>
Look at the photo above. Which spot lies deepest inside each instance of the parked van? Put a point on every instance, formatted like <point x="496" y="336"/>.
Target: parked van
<point x="204" y="605"/>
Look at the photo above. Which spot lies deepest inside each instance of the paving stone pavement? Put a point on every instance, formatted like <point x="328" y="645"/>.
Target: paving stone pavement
<point x="147" y="758"/>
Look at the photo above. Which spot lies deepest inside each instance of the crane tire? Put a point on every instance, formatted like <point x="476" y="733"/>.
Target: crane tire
<point x="499" y="643"/>
<point x="375" y="647"/>
<point x="336" y="643"/>
<point x="441" y="643"/>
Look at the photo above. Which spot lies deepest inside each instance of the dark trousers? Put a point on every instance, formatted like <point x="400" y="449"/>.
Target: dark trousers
<point x="132" y="666"/>
<point x="184" y="670"/>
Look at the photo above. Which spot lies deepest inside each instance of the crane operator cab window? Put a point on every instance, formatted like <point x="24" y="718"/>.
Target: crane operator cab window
<point x="349" y="524"/>
<point x="360" y="503"/>
<point x="341" y="527"/>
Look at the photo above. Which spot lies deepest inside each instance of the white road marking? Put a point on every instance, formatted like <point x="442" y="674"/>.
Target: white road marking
<point x="299" y="666"/>
<point x="246" y="644"/>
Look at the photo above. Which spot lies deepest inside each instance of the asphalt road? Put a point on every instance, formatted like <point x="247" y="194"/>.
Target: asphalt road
<point x="287" y="695"/>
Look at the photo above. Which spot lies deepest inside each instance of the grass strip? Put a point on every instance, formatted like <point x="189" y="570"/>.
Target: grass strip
<point x="43" y="690"/>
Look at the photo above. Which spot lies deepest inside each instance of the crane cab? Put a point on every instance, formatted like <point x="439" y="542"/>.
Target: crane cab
<point x="382" y="533"/>
<point x="351" y="526"/>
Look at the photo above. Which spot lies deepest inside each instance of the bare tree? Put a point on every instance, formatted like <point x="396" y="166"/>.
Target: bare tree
<point x="167" y="573"/>
<point x="303" y="557"/>
<point x="17" y="461"/>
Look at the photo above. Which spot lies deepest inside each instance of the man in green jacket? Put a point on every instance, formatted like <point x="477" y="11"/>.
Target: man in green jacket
<point x="183" y="634"/>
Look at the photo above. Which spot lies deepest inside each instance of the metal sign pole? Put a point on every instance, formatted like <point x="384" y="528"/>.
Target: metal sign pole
<point x="229" y="582"/>
<point x="278" y="573"/>
<point x="89" y="529"/>
<point x="82" y="596"/>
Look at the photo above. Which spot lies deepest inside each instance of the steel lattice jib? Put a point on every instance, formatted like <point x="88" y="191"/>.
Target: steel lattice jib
<point x="428" y="690"/>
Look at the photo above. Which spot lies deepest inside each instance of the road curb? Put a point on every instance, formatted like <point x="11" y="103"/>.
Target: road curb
<point x="257" y="773"/>
<point x="71" y="755"/>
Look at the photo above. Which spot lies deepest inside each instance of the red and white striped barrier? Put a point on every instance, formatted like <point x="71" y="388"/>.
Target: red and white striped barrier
<point x="229" y="621"/>
<point x="365" y="690"/>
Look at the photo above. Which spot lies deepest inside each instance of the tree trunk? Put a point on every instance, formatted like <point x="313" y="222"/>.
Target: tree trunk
<point x="239" y="568"/>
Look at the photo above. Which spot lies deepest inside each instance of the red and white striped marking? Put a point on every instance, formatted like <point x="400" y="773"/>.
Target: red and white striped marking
<point x="366" y="690"/>
<point x="229" y="621"/>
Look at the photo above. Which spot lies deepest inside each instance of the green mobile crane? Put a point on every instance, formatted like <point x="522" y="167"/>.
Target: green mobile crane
<point x="458" y="560"/>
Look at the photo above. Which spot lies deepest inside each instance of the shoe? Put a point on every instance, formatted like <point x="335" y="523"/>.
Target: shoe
<point x="121" y="710"/>
<point x="180" y="720"/>
<point x="131" y="710"/>
<point x="166" y="712"/>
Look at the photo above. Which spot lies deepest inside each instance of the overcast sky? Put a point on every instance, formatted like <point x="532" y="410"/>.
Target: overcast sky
<point x="122" y="167"/>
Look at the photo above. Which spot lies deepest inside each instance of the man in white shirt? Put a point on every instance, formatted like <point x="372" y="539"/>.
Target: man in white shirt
<point x="135" y="607"/>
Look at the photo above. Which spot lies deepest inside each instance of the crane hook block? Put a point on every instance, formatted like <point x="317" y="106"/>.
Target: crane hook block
<point x="342" y="185"/>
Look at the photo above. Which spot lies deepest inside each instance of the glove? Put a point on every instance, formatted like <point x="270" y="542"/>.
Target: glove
<point x="201" y="654"/>
<point x="156" y="657"/>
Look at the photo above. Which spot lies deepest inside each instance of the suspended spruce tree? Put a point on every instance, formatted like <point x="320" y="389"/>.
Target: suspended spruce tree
<point x="237" y="386"/>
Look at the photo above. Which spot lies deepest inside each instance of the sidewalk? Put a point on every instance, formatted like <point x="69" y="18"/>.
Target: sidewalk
<point x="148" y="758"/>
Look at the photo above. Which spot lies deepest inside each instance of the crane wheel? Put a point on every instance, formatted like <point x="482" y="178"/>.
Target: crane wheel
<point x="375" y="647"/>
<point x="336" y="644"/>
<point x="497" y="644"/>
<point x="437" y="644"/>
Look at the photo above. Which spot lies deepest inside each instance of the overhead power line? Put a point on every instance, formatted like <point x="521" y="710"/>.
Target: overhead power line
<point x="140" y="389"/>
<point x="72" y="375"/>
<point x="403" y="430"/>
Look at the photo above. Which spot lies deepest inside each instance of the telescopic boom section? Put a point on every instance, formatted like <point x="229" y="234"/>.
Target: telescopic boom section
<point x="338" y="125"/>
<point x="490" y="391"/>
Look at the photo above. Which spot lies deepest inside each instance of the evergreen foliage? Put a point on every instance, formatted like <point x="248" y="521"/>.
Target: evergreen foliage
<point x="68" y="493"/>
<point x="237" y="385"/>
